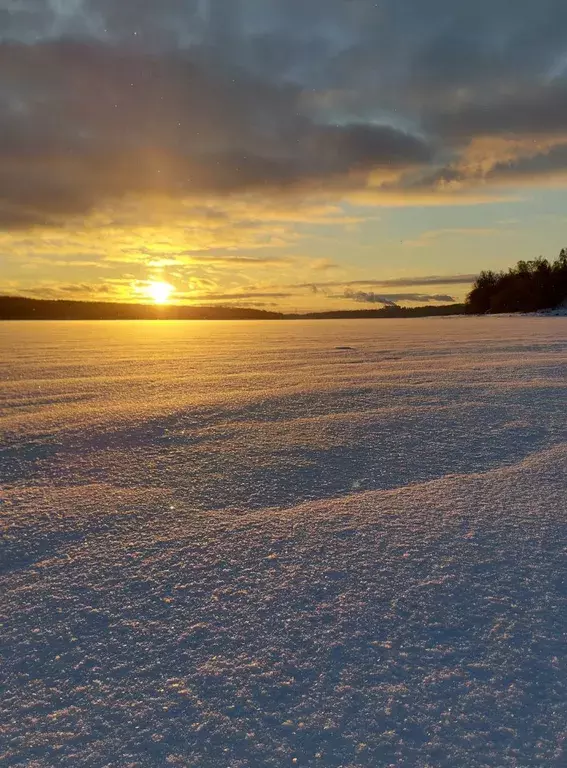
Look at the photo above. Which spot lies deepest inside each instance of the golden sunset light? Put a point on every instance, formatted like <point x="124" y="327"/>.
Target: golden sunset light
<point x="283" y="373"/>
<point x="348" y="175"/>
<point x="159" y="292"/>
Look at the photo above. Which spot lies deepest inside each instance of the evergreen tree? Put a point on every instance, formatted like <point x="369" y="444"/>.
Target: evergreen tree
<point x="530" y="286"/>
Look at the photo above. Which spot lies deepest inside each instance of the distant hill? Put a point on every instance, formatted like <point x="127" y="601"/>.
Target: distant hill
<point x="383" y="313"/>
<point x="21" y="308"/>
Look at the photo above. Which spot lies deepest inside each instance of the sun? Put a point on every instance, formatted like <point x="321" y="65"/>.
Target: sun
<point x="159" y="292"/>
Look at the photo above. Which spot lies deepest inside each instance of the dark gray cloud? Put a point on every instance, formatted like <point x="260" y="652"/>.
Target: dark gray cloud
<point x="99" y="99"/>
<point x="534" y="110"/>
<point x="398" y="282"/>
<point x="407" y="282"/>
<point x="84" y="121"/>
<point x="391" y="299"/>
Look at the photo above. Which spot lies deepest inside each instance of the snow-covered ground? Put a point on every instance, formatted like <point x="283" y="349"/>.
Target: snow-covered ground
<point x="284" y="544"/>
<point x="558" y="312"/>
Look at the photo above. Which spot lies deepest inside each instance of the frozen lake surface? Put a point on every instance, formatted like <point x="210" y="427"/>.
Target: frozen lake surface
<point x="245" y="545"/>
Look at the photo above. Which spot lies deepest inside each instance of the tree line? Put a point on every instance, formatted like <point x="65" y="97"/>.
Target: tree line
<point x="530" y="286"/>
<point x="22" y="308"/>
<point x="389" y="312"/>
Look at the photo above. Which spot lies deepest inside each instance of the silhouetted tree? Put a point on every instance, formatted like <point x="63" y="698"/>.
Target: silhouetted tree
<point x="478" y="300"/>
<point x="530" y="286"/>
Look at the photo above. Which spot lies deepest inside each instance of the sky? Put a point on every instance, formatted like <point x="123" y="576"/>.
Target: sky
<point x="279" y="154"/>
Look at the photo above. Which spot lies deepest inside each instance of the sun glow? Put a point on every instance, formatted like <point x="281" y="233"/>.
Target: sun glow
<point x="160" y="293"/>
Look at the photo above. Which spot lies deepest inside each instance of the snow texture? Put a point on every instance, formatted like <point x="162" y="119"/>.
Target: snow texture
<point x="284" y="544"/>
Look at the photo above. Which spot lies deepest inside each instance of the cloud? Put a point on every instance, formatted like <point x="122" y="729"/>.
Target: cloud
<point x="390" y="300"/>
<point x="172" y="258"/>
<point x="496" y="162"/>
<point x="48" y="289"/>
<point x="537" y="110"/>
<point x="102" y="100"/>
<point x="323" y="265"/>
<point x="206" y="137"/>
<point x="85" y="122"/>
<point x="429" y="280"/>
<point x="237" y="296"/>
<point x="398" y="282"/>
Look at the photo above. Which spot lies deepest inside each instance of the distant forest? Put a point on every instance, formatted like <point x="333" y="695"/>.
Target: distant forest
<point x="384" y="312"/>
<point x="530" y="286"/>
<point x="21" y="308"/>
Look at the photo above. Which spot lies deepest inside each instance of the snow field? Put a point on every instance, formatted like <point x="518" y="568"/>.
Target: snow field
<point x="238" y="545"/>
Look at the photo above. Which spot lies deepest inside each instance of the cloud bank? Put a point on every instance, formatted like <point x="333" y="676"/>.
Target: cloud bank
<point x="101" y="101"/>
<point x="392" y="299"/>
<point x="199" y="136"/>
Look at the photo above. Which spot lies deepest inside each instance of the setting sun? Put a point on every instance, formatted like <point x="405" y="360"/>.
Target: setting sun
<point x="160" y="292"/>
